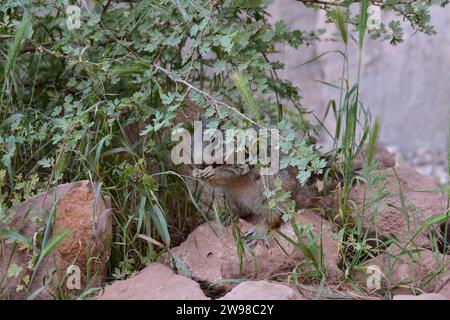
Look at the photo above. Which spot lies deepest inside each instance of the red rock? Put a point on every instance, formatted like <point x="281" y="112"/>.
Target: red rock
<point x="262" y="290"/>
<point x="155" y="282"/>
<point x="414" y="267"/>
<point x="88" y="240"/>
<point x="31" y="216"/>
<point x="210" y="253"/>
<point x="384" y="217"/>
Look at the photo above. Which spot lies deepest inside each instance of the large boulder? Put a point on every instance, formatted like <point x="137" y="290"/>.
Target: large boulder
<point x="81" y="214"/>
<point x="213" y="258"/>
<point x="380" y="205"/>
<point x="155" y="282"/>
<point x="262" y="290"/>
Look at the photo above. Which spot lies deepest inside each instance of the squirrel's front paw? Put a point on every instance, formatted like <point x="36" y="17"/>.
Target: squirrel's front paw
<point x="256" y="234"/>
<point x="204" y="174"/>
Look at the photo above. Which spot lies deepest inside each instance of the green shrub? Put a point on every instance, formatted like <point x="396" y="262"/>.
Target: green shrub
<point x="96" y="102"/>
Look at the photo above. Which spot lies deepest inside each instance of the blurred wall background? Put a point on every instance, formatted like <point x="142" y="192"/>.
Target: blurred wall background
<point x="406" y="86"/>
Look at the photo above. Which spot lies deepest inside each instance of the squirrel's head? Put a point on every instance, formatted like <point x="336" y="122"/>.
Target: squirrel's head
<point x="222" y="147"/>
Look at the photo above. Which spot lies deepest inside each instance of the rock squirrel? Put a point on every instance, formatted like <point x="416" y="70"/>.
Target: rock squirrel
<point x="246" y="190"/>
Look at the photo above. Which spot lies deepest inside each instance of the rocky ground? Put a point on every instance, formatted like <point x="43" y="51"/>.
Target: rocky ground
<point x="399" y="207"/>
